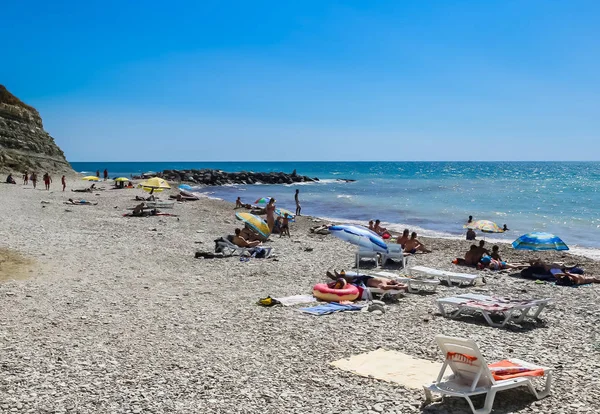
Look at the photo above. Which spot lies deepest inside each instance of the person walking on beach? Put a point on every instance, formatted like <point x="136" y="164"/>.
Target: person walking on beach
<point x="298" y="207"/>
<point x="47" y="180"/>
<point x="63" y="180"/>
<point x="105" y="174"/>
<point x="33" y="177"/>
<point x="271" y="214"/>
<point x="26" y="178"/>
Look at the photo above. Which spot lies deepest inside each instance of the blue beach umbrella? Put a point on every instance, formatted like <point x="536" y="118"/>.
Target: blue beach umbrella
<point x="359" y="236"/>
<point x="185" y="187"/>
<point x="539" y="241"/>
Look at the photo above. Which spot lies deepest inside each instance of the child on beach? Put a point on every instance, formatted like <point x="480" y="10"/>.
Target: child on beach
<point x="285" y="226"/>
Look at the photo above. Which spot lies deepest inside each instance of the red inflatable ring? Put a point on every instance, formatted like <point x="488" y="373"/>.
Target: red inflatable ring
<point x="323" y="292"/>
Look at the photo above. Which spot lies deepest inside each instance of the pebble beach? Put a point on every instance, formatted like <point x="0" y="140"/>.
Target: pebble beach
<point x="107" y="314"/>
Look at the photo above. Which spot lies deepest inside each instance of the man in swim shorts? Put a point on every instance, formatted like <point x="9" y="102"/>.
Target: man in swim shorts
<point x="239" y="241"/>
<point x="413" y="245"/>
<point x="297" y="199"/>
<point x="362" y="281"/>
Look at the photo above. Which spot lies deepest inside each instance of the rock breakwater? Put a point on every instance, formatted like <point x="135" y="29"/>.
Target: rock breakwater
<point x="219" y="177"/>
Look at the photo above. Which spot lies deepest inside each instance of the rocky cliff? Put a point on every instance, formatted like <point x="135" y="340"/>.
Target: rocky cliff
<point x="24" y="145"/>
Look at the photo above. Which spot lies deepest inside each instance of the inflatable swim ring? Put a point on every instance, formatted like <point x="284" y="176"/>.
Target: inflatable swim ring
<point x="325" y="293"/>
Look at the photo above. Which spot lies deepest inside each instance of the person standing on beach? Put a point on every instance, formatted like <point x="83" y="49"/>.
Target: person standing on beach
<point x="98" y="173"/>
<point x="298" y="207"/>
<point x="47" y="180"/>
<point x="26" y="178"/>
<point x="33" y="177"/>
<point x="63" y="180"/>
<point x="271" y="214"/>
<point x="105" y="174"/>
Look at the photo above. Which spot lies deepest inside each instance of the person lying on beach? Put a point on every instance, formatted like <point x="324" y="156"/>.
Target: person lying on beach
<point x="249" y="235"/>
<point x="80" y="202"/>
<point x="322" y="229"/>
<point x="368" y="281"/>
<point x="413" y="245"/>
<point x="566" y="278"/>
<point x="404" y="238"/>
<point x="471" y="235"/>
<point x="239" y="241"/>
<point x="487" y="262"/>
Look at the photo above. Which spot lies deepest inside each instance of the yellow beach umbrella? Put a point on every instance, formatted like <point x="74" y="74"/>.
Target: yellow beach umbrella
<point x="256" y="223"/>
<point x="155" y="183"/>
<point x="121" y="179"/>
<point x="90" y="178"/>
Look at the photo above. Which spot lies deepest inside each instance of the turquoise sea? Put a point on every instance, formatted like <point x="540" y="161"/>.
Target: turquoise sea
<point x="434" y="198"/>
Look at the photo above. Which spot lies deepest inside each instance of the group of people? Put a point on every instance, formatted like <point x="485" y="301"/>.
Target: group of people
<point x="375" y="226"/>
<point x="481" y="257"/>
<point x="33" y="178"/>
<point x="105" y="174"/>
<point x="410" y="244"/>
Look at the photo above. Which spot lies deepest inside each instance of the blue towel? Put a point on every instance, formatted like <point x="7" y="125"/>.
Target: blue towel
<point x="328" y="308"/>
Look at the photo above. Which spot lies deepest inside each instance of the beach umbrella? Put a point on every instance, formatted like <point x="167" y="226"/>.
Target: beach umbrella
<point x="539" y="241"/>
<point x="486" y="226"/>
<point x="263" y="200"/>
<point x="359" y="236"/>
<point x="255" y="223"/>
<point x="185" y="187"/>
<point x="121" y="179"/>
<point x="281" y="212"/>
<point x="155" y="183"/>
<point x="90" y="178"/>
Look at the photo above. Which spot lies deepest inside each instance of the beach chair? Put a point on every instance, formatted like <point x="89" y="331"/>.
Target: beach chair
<point x="414" y="285"/>
<point x="366" y="254"/>
<point x="225" y="245"/>
<point x="462" y="279"/>
<point x="510" y="310"/>
<point x="395" y="253"/>
<point x="471" y="375"/>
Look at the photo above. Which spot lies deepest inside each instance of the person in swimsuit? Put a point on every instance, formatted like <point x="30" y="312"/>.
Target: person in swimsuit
<point x="271" y="214"/>
<point x="297" y="199"/>
<point x="505" y="228"/>
<point x="404" y="238"/>
<point x="249" y="235"/>
<point x="239" y="241"/>
<point x="238" y="203"/>
<point x="378" y="229"/>
<point x="33" y="178"/>
<point x="105" y="174"/>
<point x="63" y="180"/>
<point x="471" y="258"/>
<point x="378" y="282"/>
<point x="413" y="245"/>
<point x="285" y="226"/>
<point x="470" y="220"/>
<point x="471" y="235"/>
<point x="47" y="180"/>
<point x="371" y="225"/>
<point x="25" y="178"/>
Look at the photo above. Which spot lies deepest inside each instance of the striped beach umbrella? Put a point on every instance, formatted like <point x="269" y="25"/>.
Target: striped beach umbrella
<point x="255" y="223"/>
<point x="359" y="236"/>
<point x="486" y="226"/>
<point x="539" y="241"/>
<point x="281" y="212"/>
<point x="263" y="200"/>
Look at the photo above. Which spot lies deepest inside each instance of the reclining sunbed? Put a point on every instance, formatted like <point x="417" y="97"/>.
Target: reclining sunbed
<point x="462" y="279"/>
<point x="415" y="285"/>
<point x="471" y="375"/>
<point x="515" y="310"/>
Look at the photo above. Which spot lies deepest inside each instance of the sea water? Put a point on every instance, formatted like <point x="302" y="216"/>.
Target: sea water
<point x="433" y="198"/>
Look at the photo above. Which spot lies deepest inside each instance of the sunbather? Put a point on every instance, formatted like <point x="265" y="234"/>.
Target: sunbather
<point x="567" y="278"/>
<point x="238" y="203"/>
<point x="413" y="245"/>
<point x="378" y="229"/>
<point x="239" y="241"/>
<point x="249" y="235"/>
<point x="369" y="281"/>
<point x="471" y="257"/>
<point x="471" y="235"/>
<point x="404" y="238"/>
<point x="79" y="202"/>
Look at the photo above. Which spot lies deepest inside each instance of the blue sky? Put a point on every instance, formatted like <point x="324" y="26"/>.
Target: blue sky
<point x="309" y="80"/>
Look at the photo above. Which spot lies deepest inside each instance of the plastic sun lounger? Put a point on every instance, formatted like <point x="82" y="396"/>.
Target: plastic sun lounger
<point x="471" y="375"/>
<point x="362" y="254"/>
<point x="395" y="252"/>
<point x="230" y="249"/>
<point x="512" y="310"/>
<point x="414" y="285"/>
<point x="461" y="279"/>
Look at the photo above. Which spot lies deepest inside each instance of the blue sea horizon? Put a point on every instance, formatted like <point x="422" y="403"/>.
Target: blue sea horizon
<point x="435" y="198"/>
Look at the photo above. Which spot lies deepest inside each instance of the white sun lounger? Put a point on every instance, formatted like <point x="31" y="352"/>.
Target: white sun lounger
<point x="414" y="285"/>
<point x="362" y="254"/>
<point x="471" y="375"/>
<point x="461" y="279"/>
<point x="511" y="310"/>
<point x="395" y="253"/>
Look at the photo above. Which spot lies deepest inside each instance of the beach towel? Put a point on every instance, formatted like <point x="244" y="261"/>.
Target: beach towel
<point x="329" y="308"/>
<point x="391" y="366"/>
<point x="296" y="300"/>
